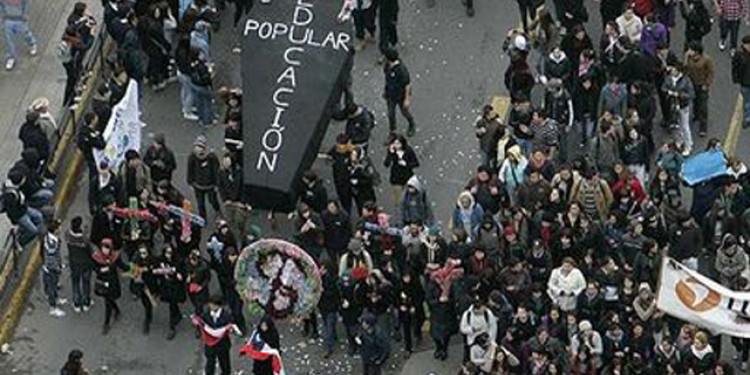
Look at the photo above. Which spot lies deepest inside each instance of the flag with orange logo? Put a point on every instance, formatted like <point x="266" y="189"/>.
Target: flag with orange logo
<point x="690" y="296"/>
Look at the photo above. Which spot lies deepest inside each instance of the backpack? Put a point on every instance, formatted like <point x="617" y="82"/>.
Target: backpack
<point x="64" y="52"/>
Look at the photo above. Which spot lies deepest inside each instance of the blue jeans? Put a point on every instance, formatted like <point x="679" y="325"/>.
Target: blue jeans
<point x="187" y="98"/>
<point x="330" y="321"/>
<point x="184" y="5"/>
<point x="204" y="102"/>
<point x="42" y="197"/>
<point x="51" y="281"/>
<point x="13" y="28"/>
<point x="29" y="225"/>
<point x="746" y="104"/>
<point x="81" y="279"/>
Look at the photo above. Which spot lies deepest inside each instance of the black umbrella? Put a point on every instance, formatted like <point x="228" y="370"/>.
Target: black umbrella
<point x="296" y="58"/>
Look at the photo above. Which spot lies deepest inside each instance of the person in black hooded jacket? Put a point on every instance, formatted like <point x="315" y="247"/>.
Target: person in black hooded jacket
<point x="329" y="303"/>
<point x="336" y="229"/>
<point x="270" y="335"/>
<point x="32" y="135"/>
<point x="33" y="187"/>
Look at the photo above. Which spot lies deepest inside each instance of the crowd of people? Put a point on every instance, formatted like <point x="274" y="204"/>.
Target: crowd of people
<point x="550" y="261"/>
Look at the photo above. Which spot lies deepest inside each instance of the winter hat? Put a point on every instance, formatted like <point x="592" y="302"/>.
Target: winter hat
<point x="200" y="141"/>
<point x="107" y="242"/>
<point x="434" y="230"/>
<point x="131" y="155"/>
<point x="509" y="230"/>
<point x="644" y="286"/>
<point x="585" y="325"/>
<point x="39" y="103"/>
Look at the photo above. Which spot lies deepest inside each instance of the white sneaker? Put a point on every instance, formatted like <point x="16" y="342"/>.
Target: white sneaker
<point x="86" y="308"/>
<point x="62" y="301"/>
<point x="33" y="50"/>
<point x="77" y="310"/>
<point x="10" y="63"/>
<point x="57" y="312"/>
<point x="190" y="116"/>
<point x="722" y="45"/>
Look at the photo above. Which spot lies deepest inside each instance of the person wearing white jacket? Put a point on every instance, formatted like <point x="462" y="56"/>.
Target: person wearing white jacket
<point x="565" y="284"/>
<point x="476" y="320"/>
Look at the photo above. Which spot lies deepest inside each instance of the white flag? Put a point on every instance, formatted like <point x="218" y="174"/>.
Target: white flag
<point x="123" y="131"/>
<point x="690" y="296"/>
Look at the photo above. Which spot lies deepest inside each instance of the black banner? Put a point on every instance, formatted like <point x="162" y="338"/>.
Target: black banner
<point x="296" y="58"/>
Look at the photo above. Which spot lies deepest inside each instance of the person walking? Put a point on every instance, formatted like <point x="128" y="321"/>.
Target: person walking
<point x="16" y="19"/>
<point x="81" y="265"/>
<point x="741" y="76"/>
<point x="267" y="332"/>
<point x="201" y="85"/>
<point x="374" y="346"/>
<point x="700" y="68"/>
<point x="215" y="325"/>
<point x="387" y="18"/>
<point x="107" y="285"/>
<point x="74" y="364"/>
<point x="160" y="160"/>
<point x="203" y="175"/>
<point x="681" y="94"/>
<point x="730" y="13"/>
<point x="402" y="160"/>
<point x="397" y="90"/>
<point x="171" y="272"/>
<point x="52" y="268"/>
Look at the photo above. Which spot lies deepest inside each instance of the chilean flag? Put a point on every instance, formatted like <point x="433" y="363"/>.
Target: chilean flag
<point x="258" y="350"/>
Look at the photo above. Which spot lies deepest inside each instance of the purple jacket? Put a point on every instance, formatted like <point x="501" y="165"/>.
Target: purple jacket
<point x="651" y="36"/>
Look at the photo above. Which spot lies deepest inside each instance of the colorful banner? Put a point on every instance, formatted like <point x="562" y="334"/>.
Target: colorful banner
<point x="123" y="131"/>
<point x="692" y="297"/>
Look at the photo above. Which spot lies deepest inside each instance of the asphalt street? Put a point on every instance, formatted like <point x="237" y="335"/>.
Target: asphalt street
<point x="456" y="65"/>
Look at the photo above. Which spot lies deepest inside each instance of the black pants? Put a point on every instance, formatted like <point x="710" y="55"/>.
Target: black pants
<point x="729" y="27"/>
<point x="174" y="314"/>
<point x="527" y="9"/>
<point x="372" y="369"/>
<point x="388" y="32"/>
<point x="701" y="108"/>
<point x="241" y="7"/>
<point x="742" y="346"/>
<point x="73" y="72"/>
<point x="392" y="113"/>
<point x="110" y="307"/>
<point x="200" y="198"/>
<point x="199" y="300"/>
<point x="148" y="307"/>
<point x="220" y="353"/>
<point x="441" y="345"/>
<point x="235" y="304"/>
<point x="364" y="20"/>
<point x="158" y="68"/>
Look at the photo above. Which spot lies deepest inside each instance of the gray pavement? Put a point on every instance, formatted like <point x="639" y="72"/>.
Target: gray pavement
<point x="456" y="64"/>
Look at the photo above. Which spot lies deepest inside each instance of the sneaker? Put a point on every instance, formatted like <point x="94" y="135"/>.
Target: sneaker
<point x="236" y="50"/>
<point x="10" y="63"/>
<point x="411" y="131"/>
<point x="190" y="116"/>
<point x="171" y="334"/>
<point x="77" y="310"/>
<point x="62" y="301"/>
<point x="57" y="312"/>
<point x="470" y="12"/>
<point x="359" y="44"/>
<point x="722" y="45"/>
<point x="732" y="51"/>
<point x="33" y="50"/>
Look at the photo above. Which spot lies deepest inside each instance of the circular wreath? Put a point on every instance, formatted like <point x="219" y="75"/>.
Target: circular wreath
<point x="278" y="278"/>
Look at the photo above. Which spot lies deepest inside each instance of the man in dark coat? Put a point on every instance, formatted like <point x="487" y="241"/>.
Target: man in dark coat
<point x="216" y="324"/>
<point x="203" y="175"/>
<point x="88" y="139"/>
<point x="160" y="159"/>
<point x="374" y="346"/>
<point x="32" y="135"/>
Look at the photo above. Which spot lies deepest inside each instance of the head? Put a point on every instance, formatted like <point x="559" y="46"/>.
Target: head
<point x="214" y="303"/>
<point x="106" y="245"/>
<point x="391" y="55"/>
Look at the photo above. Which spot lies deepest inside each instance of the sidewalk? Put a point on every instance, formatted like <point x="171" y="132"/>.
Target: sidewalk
<point x="37" y="76"/>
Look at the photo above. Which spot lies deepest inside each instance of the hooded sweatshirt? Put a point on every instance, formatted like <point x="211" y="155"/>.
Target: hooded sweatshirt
<point x="468" y="218"/>
<point x="414" y="206"/>
<point x="79" y="251"/>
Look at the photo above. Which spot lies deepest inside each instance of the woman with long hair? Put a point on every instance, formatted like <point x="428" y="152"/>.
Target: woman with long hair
<point x="107" y="260"/>
<point x="267" y="332"/>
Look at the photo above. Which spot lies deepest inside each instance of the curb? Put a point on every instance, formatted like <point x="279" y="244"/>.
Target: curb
<point x="15" y="307"/>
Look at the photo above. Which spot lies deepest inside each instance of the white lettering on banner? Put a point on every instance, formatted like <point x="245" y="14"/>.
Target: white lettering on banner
<point x="298" y="33"/>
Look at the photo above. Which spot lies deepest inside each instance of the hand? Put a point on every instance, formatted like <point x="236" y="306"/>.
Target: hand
<point x="494" y="190"/>
<point x="407" y="101"/>
<point x="345" y="304"/>
<point x="402" y="162"/>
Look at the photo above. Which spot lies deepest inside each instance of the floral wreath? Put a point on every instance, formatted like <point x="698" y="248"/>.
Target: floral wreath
<point x="278" y="278"/>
